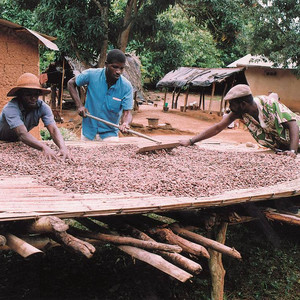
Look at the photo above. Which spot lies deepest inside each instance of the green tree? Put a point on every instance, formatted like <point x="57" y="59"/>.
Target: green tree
<point x="276" y="32"/>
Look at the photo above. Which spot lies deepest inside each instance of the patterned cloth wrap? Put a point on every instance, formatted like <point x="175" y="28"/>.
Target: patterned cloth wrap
<point x="269" y="131"/>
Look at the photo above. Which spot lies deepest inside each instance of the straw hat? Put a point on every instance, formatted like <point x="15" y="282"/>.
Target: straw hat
<point x="27" y="81"/>
<point x="238" y="91"/>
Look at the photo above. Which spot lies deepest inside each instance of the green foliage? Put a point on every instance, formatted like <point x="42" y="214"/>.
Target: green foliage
<point x="276" y="32"/>
<point x="67" y="134"/>
<point x="178" y="42"/>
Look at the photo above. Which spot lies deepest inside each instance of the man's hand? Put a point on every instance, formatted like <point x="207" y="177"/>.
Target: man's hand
<point x="82" y="111"/>
<point x="65" y="155"/>
<point x="124" y="127"/>
<point x="185" y="143"/>
<point x="49" y="154"/>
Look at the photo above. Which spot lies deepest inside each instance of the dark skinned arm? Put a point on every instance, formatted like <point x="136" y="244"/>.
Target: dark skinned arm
<point x="28" y="139"/>
<point x="210" y="131"/>
<point x="72" y="87"/>
<point x="293" y="129"/>
<point x="125" y="120"/>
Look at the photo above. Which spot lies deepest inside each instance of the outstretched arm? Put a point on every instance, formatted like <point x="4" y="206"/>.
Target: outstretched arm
<point x="210" y="131"/>
<point x="28" y="139"/>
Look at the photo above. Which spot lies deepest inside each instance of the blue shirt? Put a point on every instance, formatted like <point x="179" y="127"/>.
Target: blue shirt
<point x="103" y="102"/>
<point x="14" y="115"/>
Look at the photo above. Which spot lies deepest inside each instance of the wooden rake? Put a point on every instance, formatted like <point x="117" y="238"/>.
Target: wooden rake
<point x="159" y="145"/>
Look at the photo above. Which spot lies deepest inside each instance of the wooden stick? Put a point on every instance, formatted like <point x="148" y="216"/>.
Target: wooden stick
<point x="21" y="247"/>
<point x="122" y="240"/>
<point x="166" y="234"/>
<point x="206" y="242"/>
<point x="57" y="228"/>
<point x="157" y="262"/>
<point x="176" y="258"/>
<point x="39" y="242"/>
<point x="286" y="218"/>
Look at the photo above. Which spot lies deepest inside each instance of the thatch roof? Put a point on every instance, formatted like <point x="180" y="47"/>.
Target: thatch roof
<point x="196" y="76"/>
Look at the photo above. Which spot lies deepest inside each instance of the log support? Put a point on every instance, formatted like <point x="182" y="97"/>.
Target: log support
<point x="217" y="271"/>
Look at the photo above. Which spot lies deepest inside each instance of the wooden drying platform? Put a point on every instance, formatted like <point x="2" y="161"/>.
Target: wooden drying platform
<point x="23" y="198"/>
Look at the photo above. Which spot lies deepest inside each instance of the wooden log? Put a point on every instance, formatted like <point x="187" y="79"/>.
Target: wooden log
<point x="157" y="262"/>
<point x="166" y="234"/>
<point x="57" y="229"/>
<point x="2" y="240"/>
<point x="217" y="271"/>
<point x="209" y="243"/>
<point x="176" y="258"/>
<point x="39" y="242"/>
<point x="122" y="240"/>
<point x="285" y="218"/>
<point x="20" y="246"/>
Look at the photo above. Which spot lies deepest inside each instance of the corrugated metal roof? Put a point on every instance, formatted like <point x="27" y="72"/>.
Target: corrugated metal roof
<point x="43" y="38"/>
<point x="196" y="76"/>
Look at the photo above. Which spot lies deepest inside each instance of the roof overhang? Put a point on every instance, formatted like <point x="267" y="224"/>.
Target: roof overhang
<point x="44" y="39"/>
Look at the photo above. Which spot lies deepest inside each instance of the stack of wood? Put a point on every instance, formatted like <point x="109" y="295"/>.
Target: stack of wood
<point x="171" y="248"/>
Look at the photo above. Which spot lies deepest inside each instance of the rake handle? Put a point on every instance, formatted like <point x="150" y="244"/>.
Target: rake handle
<point x="129" y="130"/>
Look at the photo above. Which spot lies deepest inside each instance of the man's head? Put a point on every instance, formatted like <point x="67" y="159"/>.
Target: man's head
<point x="28" y="89"/>
<point x="239" y="97"/>
<point x="115" y="64"/>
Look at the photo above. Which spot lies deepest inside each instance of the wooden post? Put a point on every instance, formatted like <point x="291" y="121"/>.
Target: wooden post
<point x="217" y="271"/>
<point x="186" y="98"/>
<point x="177" y="96"/>
<point x="165" y="98"/>
<point x="173" y="98"/>
<point x="222" y="106"/>
<point x="211" y="97"/>
<point x="62" y="86"/>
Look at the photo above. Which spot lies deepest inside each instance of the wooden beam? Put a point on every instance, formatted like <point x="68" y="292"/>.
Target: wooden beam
<point x="211" y="97"/>
<point x="281" y="217"/>
<point x="209" y="243"/>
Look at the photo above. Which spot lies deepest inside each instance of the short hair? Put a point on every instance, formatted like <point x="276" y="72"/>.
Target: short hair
<point x="115" y="55"/>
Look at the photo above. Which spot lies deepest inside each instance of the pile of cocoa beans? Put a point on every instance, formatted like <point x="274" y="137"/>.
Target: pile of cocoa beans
<point x="184" y="172"/>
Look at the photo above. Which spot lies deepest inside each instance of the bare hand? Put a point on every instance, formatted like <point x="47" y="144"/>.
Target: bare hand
<point x="49" y="154"/>
<point x="287" y="153"/>
<point x="65" y="155"/>
<point x="185" y="143"/>
<point x="82" y="111"/>
<point x="124" y="127"/>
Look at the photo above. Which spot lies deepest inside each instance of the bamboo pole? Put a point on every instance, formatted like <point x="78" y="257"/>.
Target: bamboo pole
<point x="209" y="243"/>
<point x="157" y="262"/>
<point x="20" y="246"/>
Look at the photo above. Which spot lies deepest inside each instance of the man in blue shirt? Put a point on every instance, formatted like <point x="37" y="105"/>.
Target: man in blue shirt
<point x="109" y="97"/>
<point x="24" y="112"/>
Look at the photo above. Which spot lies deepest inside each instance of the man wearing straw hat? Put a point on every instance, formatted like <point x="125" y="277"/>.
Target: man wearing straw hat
<point x="271" y="123"/>
<point x="24" y="112"/>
